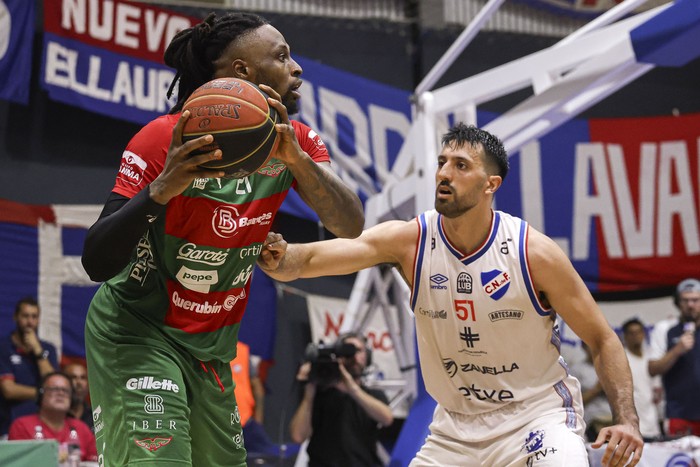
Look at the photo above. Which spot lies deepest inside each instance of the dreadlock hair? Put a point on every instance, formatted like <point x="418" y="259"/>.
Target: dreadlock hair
<point x="461" y="134"/>
<point x="193" y="51"/>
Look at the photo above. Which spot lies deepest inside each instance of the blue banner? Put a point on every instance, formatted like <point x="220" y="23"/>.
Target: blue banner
<point x="363" y="122"/>
<point x="16" y="34"/>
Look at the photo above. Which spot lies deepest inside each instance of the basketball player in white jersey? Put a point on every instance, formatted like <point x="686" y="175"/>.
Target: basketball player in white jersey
<point x="484" y="290"/>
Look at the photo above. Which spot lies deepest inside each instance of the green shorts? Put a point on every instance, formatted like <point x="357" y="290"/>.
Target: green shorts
<point x="154" y="404"/>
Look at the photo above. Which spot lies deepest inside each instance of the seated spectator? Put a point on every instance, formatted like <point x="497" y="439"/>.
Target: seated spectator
<point x="596" y="409"/>
<point x="24" y="360"/>
<point x="647" y="389"/>
<point x="79" y="408"/>
<point x="53" y="422"/>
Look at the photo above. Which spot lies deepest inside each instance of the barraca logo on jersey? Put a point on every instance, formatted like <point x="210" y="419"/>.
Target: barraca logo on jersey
<point x="495" y="283"/>
<point x="226" y="221"/>
<point x="437" y="281"/>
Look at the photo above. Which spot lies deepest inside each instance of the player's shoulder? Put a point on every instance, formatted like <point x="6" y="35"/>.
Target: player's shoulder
<point x="541" y="249"/>
<point x="307" y="137"/>
<point x="153" y="139"/>
<point x="310" y="142"/>
<point x="299" y="127"/>
<point x="162" y="125"/>
<point x="394" y="233"/>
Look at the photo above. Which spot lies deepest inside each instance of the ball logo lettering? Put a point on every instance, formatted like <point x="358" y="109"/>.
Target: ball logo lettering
<point x="236" y="113"/>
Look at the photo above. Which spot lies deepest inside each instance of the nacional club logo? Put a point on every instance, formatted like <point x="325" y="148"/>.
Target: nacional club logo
<point x="534" y="441"/>
<point x="313" y="136"/>
<point x="495" y="283"/>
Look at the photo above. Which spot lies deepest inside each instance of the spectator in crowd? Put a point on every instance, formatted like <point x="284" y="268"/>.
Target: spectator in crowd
<point x="341" y="417"/>
<point x="596" y="412"/>
<point x="80" y="407"/>
<point x="52" y="420"/>
<point x="24" y="360"/>
<point x="677" y="359"/>
<point x="647" y="389"/>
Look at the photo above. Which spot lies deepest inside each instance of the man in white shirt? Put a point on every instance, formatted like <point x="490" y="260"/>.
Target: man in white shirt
<point x="647" y="389"/>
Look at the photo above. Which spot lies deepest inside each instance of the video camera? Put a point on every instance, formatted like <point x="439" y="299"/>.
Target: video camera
<point x="324" y="361"/>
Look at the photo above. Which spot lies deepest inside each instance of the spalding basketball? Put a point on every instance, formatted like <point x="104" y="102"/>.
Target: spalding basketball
<point x="236" y="113"/>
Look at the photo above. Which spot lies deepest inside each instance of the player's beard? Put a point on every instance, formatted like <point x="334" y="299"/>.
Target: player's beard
<point x="453" y="207"/>
<point x="290" y="103"/>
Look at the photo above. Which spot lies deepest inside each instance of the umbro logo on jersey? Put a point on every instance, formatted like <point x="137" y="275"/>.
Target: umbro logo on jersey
<point x="495" y="283"/>
<point x="437" y="281"/>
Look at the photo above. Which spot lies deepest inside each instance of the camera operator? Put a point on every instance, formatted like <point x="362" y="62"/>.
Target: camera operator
<point x="340" y="415"/>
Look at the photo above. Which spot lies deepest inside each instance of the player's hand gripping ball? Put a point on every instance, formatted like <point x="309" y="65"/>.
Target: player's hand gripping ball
<point x="236" y="113"/>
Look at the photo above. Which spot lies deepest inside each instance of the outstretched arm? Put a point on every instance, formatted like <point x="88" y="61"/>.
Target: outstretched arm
<point x="338" y="207"/>
<point x="555" y="277"/>
<point x="391" y="242"/>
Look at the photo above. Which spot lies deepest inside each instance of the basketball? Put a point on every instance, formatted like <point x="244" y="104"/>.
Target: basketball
<point x="236" y="113"/>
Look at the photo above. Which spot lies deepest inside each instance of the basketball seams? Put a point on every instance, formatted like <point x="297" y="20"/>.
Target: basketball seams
<point x="239" y="117"/>
<point x="250" y="153"/>
<point x="248" y="105"/>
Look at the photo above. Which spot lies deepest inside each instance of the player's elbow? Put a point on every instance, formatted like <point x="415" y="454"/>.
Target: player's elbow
<point x="350" y="225"/>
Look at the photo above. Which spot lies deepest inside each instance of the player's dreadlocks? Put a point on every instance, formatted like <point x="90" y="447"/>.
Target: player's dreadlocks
<point x="193" y="51"/>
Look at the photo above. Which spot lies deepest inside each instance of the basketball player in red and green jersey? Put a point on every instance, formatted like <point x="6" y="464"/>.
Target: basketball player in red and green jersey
<point x="176" y="246"/>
